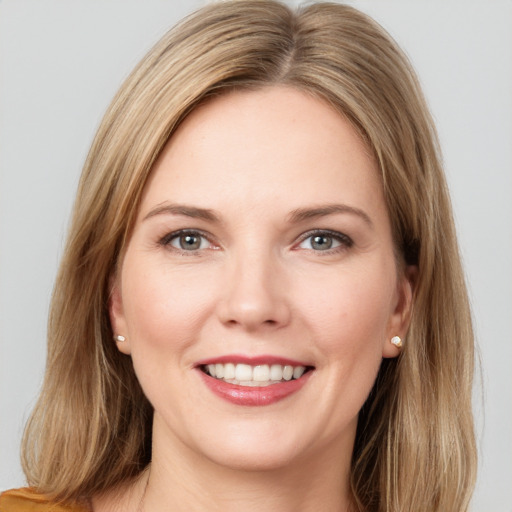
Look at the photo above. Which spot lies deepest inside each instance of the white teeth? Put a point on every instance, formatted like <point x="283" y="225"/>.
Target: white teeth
<point x="243" y="372"/>
<point x="250" y="383"/>
<point x="287" y="372"/>
<point x="259" y="375"/>
<point x="298" y="372"/>
<point x="229" y="371"/>
<point x="276" y="372"/>
<point x="219" y="371"/>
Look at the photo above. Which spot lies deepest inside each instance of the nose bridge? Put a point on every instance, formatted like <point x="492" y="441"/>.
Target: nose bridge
<point x="254" y="293"/>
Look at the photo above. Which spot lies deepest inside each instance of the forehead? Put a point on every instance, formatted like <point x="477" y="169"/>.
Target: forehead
<point x="273" y="144"/>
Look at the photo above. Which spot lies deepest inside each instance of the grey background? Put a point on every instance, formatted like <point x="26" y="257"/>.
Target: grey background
<point x="60" y="63"/>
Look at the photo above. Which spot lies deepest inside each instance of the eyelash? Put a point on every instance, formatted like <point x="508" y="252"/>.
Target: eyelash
<point x="167" y="240"/>
<point x="344" y="241"/>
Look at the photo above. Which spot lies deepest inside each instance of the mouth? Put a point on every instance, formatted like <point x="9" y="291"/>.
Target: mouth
<point x="260" y="375"/>
<point x="254" y="381"/>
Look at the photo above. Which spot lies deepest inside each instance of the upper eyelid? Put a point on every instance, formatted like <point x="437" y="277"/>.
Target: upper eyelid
<point x="173" y="234"/>
<point x="330" y="232"/>
<point x="303" y="236"/>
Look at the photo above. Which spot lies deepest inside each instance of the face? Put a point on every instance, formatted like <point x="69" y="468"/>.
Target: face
<point x="259" y="289"/>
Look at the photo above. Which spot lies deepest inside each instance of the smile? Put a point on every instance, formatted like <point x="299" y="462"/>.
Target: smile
<point x="254" y="381"/>
<point x="260" y="375"/>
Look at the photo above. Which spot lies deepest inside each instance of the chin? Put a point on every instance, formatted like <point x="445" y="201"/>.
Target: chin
<point x="257" y="446"/>
<point x="255" y="459"/>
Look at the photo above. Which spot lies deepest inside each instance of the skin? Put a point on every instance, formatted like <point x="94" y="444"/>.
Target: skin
<point x="258" y="286"/>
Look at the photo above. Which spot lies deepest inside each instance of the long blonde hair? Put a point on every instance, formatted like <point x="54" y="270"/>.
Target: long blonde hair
<point x="415" y="447"/>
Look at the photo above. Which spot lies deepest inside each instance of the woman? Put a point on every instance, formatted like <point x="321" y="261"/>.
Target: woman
<point x="261" y="302"/>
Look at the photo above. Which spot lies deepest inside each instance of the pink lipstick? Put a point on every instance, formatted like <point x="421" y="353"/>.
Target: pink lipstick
<point x="251" y="381"/>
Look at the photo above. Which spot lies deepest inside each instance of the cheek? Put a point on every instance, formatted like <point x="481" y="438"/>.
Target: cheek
<point x="163" y="307"/>
<point x="350" y="311"/>
<point x="348" y="318"/>
<point x="164" y="311"/>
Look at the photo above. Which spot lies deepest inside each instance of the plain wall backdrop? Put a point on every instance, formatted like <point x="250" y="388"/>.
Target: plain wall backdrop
<point x="61" y="62"/>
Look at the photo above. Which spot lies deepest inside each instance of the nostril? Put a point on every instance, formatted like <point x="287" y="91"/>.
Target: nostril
<point x="269" y="322"/>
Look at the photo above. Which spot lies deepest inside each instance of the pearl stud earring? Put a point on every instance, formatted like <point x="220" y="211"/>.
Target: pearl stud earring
<point x="118" y="337"/>
<point x="397" y="341"/>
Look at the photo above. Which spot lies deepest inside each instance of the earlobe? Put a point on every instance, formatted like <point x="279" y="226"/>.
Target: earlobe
<point x="401" y="317"/>
<point x="117" y="319"/>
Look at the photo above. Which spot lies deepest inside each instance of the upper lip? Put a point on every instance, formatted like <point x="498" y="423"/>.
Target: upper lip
<point x="252" y="360"/>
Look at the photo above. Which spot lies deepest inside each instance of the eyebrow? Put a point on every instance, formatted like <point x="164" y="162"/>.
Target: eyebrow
<point x="184" y="210"/>
<point x="302" y="214"/>
<point x="296" y="216"/>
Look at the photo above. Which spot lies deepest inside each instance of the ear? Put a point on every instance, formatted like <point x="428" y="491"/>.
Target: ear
<point x="117" y="318"/>
<point x="401" y="316"/>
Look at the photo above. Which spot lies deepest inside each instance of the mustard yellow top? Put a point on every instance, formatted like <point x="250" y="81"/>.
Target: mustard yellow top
<point x="28" y="500"/>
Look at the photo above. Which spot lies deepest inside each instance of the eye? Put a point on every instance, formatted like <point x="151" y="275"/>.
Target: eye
<point x="186" y="241"/>
<point x="325" y="241"/>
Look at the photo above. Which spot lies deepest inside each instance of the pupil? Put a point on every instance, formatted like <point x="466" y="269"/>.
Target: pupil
<point x="321" y="242"/>
<point x="190" y="242"/>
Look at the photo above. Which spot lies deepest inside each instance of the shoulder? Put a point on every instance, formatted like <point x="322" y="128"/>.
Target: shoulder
<point x="28" y="500"/>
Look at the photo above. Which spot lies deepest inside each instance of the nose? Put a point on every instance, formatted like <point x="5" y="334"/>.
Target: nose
<point x="255" y="293"/>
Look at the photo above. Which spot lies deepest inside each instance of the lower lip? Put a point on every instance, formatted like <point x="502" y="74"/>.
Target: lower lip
<point x="253" y="396"/>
